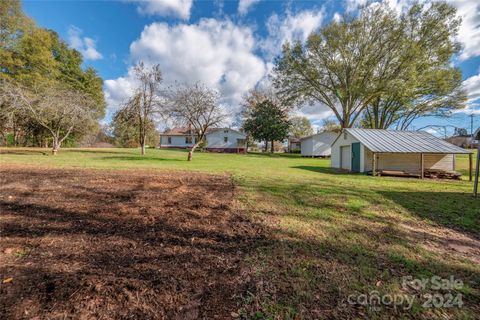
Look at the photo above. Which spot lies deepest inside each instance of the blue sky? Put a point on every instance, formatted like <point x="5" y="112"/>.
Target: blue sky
<point x="228" y="45"/>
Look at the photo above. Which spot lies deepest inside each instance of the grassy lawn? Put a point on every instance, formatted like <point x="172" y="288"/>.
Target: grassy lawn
<point x="330" y="235"/>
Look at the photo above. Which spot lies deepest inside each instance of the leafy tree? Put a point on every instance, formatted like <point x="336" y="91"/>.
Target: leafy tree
<point x="351" y="64"/>
<point x="251" y="101"/>
<point x="430" y="86"/>
<point x="59" y="111"/>
<point x="125" y="130"/>
<point x="145" y="101"/>
<point x="35" y="60"/>
<point x="196" y="106"/>
<point x="330" y="125"/>
<point x="300" y="127"/>
<point x="268" y="122"/>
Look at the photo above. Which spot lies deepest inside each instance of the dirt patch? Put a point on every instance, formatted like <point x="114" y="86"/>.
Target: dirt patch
<point x="114" y="245"/>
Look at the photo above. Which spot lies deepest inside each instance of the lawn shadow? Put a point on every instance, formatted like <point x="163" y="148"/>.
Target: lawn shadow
<point x="24" y="152"/>
<point x="139" y="158"/>
<point x="95" y="151"/>
<point x="456" y="210"/>
<point x="273" y="155"/>
<point x="322" y="169"/>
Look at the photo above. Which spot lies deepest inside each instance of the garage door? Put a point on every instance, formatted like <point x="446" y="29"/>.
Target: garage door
<point x="346" y="157"/>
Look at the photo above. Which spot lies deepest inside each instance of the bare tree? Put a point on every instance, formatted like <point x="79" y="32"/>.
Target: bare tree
<point x="60" y="111"/>
<point x="196" y="106"/>
<point x="145" y="101"/>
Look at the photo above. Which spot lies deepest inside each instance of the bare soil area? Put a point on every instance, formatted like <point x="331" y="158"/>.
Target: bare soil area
<point x="89" y="244"/>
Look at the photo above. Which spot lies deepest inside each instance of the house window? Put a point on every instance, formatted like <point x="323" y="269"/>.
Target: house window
<point x="225" y="139"/>
<point x="188" y="140"/>
<point x="169" y="140"/>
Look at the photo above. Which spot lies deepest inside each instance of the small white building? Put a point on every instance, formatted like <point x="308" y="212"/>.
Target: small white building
<point x="408" y="152"/>
<point x="318" y="145"/>
<point x="217" y="139"/>
<point x="226" y="140"/>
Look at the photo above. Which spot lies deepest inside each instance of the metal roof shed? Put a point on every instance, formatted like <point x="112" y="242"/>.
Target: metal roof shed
<point x="362" y="150"/>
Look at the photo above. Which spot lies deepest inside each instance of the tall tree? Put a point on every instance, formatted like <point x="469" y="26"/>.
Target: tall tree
<point x="252" y="99"/>
<point x="300" y="127"/>
<point x="196" y="106"/>
<point x="32" y="57"/>
<point x="58" y="110"/>
<point x="145" y="102"/>
<point x="348" y="65"/>
<point x="268" y="122"/>
<point x="430" y="86"/>
<point x="125" y="129"/>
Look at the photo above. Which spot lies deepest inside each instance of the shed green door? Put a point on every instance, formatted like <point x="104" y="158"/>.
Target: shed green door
<point x="356" y="157"/>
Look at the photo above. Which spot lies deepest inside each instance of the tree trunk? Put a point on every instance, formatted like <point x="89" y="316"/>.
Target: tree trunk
<point x="272" y="149"/>
<point x="190" y="152"/>
<point x="266" y="146"/>
<point x="55" y="146"/>
<point x="143" y="148"/>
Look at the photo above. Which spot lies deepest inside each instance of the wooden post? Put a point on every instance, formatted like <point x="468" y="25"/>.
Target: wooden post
<point x="422" y="166"/>
<point x="470" y="165"/>
<point x="374" y="165"/>
<point x="477" y="172"/>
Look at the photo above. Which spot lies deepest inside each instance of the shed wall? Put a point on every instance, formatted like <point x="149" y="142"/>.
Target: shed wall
<point x="306" y="147"/>
<point x="216" y="139"/>
<point x="177" y="142"/>
<point x="409" y="162"/>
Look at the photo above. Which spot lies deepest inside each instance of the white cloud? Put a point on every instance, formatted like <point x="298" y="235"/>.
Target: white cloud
<point x="472" y="85"/>
<point x="245" y="5"/>
<point x="352" y="5"/>
<point x="290" y="27"/>
<point x="177" y="8"/>
<point x="85" y="45"/>
<point x="217" y="53"/>
<point x="337" y="17"/>
<point x="469" y="31"/>
<point x="315" y="112"/>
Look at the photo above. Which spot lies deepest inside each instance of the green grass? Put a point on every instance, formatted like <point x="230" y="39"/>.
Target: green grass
<point x="330" y="234"/>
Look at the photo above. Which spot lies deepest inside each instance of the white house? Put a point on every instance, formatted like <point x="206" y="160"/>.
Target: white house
<point x="177" y="138"/>
<point x="380" y="151"/>
<point x="217" y="139"/>
<point x="318" y="145"/>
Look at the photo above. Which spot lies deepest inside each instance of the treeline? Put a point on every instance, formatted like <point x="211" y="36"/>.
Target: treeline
<point x="46" y="97"/>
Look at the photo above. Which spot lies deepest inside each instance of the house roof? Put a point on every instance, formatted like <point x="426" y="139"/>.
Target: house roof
<point x="178" y="131"/>
<point x="394" y="141"/>
<point x="211" y="130"/>
<point x="320" y="134"/>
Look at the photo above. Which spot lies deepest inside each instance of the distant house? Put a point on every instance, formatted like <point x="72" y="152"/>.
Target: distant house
<point x="178" y="138"/>
<point x="217" y="139"/>
<point x="318" y="145"/>
<point x="293" y="145"/>
<point x="393" y="152"/>
<point x="464" y="141"/>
